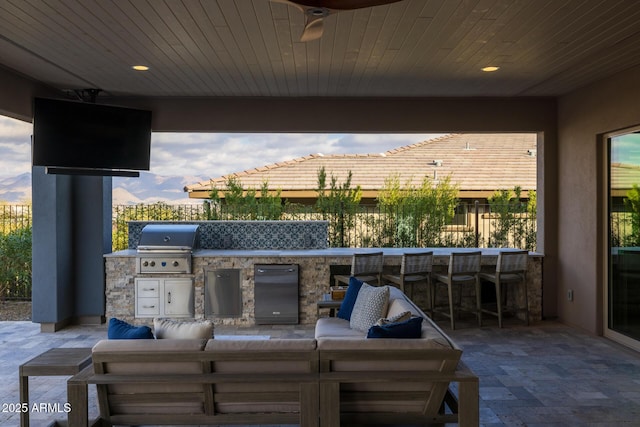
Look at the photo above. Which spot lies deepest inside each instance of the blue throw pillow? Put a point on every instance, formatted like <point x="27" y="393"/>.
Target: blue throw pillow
<point x="411" y="328"/>
<point x="121" y="330"/>
<point x="349" y="298"/>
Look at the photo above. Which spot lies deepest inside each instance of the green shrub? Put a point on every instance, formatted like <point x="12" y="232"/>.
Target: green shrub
<point x="15" y="264"/>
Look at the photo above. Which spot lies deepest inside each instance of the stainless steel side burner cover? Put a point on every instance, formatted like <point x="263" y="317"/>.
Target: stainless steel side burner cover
<point x="168" y="237"/>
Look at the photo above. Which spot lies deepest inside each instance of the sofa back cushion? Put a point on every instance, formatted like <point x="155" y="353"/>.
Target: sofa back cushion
<point x="398" y="306"/>
<point x="176" y="329"/>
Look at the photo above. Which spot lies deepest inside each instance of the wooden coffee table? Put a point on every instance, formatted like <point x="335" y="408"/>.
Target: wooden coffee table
<point x="53" y="362"/>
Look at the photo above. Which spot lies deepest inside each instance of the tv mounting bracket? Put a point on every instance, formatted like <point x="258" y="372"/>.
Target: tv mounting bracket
<point x="87" y="95"/>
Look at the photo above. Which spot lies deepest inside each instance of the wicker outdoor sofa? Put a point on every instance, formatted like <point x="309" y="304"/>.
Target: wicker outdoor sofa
<point x="339" y="378"/>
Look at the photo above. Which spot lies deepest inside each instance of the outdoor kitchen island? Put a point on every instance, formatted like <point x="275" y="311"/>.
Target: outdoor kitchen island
<point x="316" y="267"/>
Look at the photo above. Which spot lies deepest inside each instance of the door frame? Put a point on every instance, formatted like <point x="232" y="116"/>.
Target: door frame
<point x="606" y="149"/>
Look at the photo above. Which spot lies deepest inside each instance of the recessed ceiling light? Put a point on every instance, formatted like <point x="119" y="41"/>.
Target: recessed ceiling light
<point x="140" y="67"/>
<point x="490" y="69"/>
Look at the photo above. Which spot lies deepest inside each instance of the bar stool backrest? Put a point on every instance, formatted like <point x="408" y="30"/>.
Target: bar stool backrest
<point x="465" y="262"/>
<point x="512" y="262"/>
<point x="367" y="263"/>
<point x="416" y="263"/>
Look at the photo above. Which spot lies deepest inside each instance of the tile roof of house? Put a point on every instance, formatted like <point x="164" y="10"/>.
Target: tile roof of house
<point x="623" y="177"/>
<point x="478" y="163"/>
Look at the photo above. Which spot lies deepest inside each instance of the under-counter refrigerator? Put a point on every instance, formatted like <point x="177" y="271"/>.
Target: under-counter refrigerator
<point x="276" y="293"/>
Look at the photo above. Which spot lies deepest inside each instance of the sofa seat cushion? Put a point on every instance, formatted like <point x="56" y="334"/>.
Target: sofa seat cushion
<point x="333" y="327"/>
<point x="362" y="343"/>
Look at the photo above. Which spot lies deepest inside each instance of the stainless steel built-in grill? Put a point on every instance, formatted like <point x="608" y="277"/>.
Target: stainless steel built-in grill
<point x="166" y="248"/>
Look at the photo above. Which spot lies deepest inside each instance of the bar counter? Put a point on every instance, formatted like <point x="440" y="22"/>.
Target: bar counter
<point x="317" y="266"/>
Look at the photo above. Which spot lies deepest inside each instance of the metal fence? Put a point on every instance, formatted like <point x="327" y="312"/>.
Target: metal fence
<point x="472" y="225"/>
<point x="14" y="217"/>
<point x="15" y="252"/>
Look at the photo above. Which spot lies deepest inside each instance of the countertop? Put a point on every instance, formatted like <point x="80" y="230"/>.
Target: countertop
<point x="329" y="252"/>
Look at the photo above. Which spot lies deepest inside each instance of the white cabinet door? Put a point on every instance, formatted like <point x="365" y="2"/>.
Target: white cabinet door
<point x="178" y="297"/>
<point x="164" y="297"/>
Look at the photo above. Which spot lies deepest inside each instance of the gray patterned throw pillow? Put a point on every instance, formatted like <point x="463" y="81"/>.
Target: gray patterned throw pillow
<point x="401" y="317"/>
<point x="370" y="305"/>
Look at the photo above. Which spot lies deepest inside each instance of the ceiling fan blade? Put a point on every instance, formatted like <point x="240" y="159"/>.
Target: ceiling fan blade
<point x="312" y="29"/>
<point x="316" y="10"/>
<point x="341" y="4"/>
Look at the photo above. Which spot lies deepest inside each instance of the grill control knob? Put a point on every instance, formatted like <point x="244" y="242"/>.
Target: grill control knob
<point x="145" y="264"/>
<point x="153" y="263"/>
<point x="176" y="263"/>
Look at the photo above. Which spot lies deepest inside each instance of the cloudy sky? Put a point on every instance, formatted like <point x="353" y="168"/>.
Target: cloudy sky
<point x="626" y="149"/>
<point x="211" y="155"/>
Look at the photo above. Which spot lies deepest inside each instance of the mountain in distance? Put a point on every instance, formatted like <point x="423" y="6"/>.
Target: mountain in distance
<point x="148" y="188"/>
<point x="151" y="188"/>
<point x="16" y="189"/>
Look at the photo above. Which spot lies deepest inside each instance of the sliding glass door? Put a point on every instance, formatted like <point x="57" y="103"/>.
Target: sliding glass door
<point x="623" y="281"/>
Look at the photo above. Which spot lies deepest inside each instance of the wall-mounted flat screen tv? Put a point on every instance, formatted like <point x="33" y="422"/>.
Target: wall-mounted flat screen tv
<point x="90" y="139"/>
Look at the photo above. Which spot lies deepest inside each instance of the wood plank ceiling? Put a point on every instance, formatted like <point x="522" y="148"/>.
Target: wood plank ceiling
<point x="251" y="47"/>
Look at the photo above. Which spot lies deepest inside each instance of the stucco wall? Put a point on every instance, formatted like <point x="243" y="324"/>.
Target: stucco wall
<point x="583" y="117"/>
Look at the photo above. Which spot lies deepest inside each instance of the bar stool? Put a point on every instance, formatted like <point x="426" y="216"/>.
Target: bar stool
<point x="464" y="268"/>
<point x="511" y="269"/>
<point x="415" y="268"/>
<point x="366" y="267"/>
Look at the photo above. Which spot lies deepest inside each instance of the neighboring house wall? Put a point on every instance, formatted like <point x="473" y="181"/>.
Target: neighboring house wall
<point x="583" y="117"/>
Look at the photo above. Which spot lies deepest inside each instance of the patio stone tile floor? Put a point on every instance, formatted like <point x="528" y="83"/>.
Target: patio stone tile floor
<point x="546" y="374"/>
